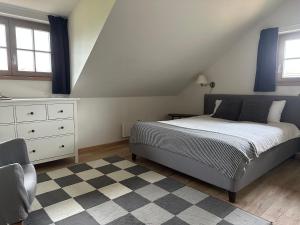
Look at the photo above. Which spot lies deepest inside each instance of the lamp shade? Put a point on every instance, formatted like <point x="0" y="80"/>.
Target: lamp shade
<point x="202" y="80"/>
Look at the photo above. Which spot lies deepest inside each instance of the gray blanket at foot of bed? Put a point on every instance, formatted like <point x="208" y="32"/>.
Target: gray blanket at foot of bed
<point x="227" y="154"/>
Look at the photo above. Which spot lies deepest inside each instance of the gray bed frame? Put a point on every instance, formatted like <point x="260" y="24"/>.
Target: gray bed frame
<point x="255" y="169"/>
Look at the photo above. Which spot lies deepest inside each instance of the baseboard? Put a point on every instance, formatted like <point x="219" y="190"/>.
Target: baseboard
<point x="97" y="147"/>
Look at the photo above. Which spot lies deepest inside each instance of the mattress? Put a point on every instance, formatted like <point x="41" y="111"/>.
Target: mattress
<point x="227" y="146"/>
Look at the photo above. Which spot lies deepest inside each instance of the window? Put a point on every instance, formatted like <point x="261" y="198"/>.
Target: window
<point x="289" y="59"/>
<point x="25" y="51"/>
<point x="4" y="51"/>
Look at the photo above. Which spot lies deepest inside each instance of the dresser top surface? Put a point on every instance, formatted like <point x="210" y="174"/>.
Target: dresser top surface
<point x="16" y="100"/>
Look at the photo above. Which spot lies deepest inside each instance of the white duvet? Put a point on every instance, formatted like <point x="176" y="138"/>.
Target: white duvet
<point x="261" y="136"/>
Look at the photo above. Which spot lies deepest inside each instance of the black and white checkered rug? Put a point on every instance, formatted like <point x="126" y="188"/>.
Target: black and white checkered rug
<point x="115" y="191"/>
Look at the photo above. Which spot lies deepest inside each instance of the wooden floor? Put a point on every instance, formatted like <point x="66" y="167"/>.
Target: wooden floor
<point x="275" y="196"/>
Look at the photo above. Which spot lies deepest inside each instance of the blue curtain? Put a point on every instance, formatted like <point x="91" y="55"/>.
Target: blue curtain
<point x="60" y="55"/>
<point x="267" y="61"/>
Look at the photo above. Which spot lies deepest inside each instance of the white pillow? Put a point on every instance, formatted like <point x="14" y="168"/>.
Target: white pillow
<point x="217" y="104"/>
<point x="276" y="111"/>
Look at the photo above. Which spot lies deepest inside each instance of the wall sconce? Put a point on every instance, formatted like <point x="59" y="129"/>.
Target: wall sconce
<point x="202" y="80"/>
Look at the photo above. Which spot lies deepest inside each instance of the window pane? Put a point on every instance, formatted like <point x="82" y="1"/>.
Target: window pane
<point x="3" y="59"/>
<point x="42" y="40"/>
<point x="291" y="68"/>
<point x="25" y="61"/>
<point x="2" y="35"/>
<point x="43" y="62"/>
<point x="292" y="49"/>
<point x="24" y="38"/>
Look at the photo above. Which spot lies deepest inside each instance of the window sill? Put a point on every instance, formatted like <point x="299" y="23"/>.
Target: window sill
<point x="19" y="77"/>
<point x="289" y="82"/>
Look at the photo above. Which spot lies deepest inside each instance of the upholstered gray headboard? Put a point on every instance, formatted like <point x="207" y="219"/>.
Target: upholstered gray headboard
<point x="291" y="112"/>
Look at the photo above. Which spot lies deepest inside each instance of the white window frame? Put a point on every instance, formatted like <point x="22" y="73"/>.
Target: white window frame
<point x="12" y="73"/>
<point x="286" y="81"/>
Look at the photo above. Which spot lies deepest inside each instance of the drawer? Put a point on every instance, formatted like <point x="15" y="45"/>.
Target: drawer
<point x="7" y="132"/>
<point x="60" y="111"/>
<point x="30" y="113"/>
<point x="6" y="114"/>
<point x="45" y="129"/>
<point x="50" y="147"/>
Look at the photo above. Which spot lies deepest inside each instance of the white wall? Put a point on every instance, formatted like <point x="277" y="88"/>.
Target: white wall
<point x="100" y="119"/>
<point x="234" y="72"/>
<point x="190" y="100"/>
<point x="85" y="24"/>
<point x="25" y="88"/>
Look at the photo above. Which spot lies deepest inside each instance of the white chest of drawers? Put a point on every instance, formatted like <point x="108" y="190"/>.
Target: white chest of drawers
<point x="48" y="125"/>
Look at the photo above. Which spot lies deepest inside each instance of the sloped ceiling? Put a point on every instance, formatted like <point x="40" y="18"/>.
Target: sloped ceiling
<point x="155" y="47"/>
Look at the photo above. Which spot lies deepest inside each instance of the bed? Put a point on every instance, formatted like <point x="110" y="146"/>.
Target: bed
<point x="227" y="154"/>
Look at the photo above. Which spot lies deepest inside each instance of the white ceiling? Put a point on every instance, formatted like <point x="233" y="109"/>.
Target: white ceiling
<point x="155" y="47"/>
<point x="57" y="7"/>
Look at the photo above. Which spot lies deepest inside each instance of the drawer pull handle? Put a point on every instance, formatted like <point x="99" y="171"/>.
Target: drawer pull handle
<point x="32" y="131"/>
<point x="62" y="146"/>
<point x="61" y="111"/>
<point x="62" y="127"/>
<point x="33" y="151"/>
<point x="31" y="113"/>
